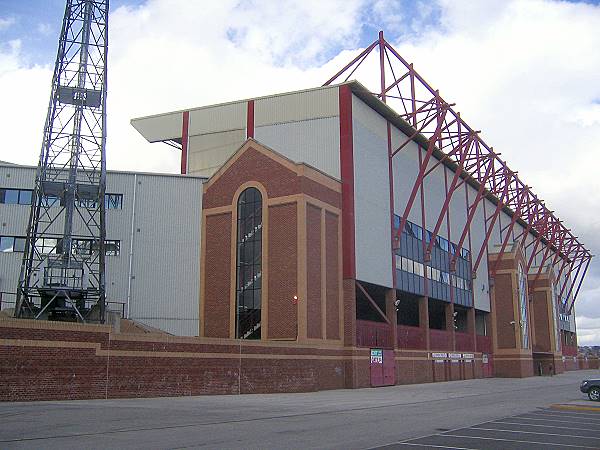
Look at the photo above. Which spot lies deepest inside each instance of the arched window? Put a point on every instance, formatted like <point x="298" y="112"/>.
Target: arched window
<point x="249" y="264"/>
<point x="522" y="280"/>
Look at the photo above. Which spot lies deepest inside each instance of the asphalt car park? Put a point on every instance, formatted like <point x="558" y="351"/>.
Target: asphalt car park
<point x="543" y="428"/>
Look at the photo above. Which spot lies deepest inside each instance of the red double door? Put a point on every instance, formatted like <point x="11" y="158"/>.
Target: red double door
<point x="383" y="367"/>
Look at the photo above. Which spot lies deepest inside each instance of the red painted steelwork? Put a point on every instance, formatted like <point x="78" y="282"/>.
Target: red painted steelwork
<point x="373" y="334"/>
<point x="484" y="344"/>
<point x="412" y="337"/>
<point x="347" y="173"/>
<point x="434" y="120"/>
<point x="250" y="119"/>
<point x="440" y="340"/>
<point x="185" y="123"/>
<point x="464" y="342"/>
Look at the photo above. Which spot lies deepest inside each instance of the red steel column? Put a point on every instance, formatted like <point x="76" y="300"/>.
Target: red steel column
<point x="184" y="141"/>
<point x="347" y="174"/>
<point x="250" y="120"/>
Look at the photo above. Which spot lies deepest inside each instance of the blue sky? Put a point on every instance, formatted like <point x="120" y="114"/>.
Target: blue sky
<point x="523" y="71"/>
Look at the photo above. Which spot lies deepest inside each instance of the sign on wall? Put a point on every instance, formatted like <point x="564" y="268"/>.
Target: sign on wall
<point x="376" y="356"/>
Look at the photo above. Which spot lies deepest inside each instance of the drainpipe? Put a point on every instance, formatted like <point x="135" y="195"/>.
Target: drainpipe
<point x="131" y="245"/>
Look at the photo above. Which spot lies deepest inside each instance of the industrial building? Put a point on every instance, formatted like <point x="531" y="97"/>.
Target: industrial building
<point x="322" y="239"/>
<point x="150" y="217"/>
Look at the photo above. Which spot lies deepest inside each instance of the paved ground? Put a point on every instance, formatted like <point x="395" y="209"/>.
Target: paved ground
<point x="345" y="419"/>
<point x="541" y="429"/>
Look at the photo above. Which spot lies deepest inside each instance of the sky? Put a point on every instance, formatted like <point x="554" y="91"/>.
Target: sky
<point x="525" y="72"/>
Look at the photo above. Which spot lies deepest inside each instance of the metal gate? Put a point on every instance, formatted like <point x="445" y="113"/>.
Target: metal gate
<point x="382" y="367"/>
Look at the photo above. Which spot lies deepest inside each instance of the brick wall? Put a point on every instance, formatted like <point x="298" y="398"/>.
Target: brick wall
<point x="313" y="271"/>
<point x="217" y="263"/>
<point x="504" y="307"/>
<point x="283" y="281"/>
<point x="332" y="269"/>
<point x="48" y="361"/>
<point x="543" y="324"/>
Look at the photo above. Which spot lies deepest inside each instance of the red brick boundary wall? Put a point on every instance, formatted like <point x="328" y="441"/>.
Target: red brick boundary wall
<point x="56" y="361"/>
<point x="62" y="361"/>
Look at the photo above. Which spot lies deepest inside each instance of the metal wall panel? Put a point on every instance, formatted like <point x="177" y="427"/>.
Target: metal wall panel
<point x="480" y="282"/>
<point x="212" y="119"/>
<point x="166" y="255"/>
<point x="315" y="142"/>
<point x="457" y="211"/>
<point x="208" y="152"/>
<point x="406" y="168"/>
<point x="297" y="106"/>
<point x="435" y="193"/>
<point x="161" y="127"/>
<point x="371" y="196"/>
<point x="118" y="226"/>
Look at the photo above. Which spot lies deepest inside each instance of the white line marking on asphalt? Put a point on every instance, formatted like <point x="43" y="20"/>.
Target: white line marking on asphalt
<point x="568" y="412"/>
<point x="555" y="420"/>
<point x="593" y="416"/>
<point x="515" y="440"/>
<point x="437" y="446"/>
<point x="535" y="432"/>
<point x="545" y="426"/>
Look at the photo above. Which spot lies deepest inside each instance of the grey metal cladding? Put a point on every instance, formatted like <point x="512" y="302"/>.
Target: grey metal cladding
<point x="167" y="235"/>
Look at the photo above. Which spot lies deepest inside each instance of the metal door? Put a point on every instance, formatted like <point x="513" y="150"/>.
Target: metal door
<point x="383" y="367"/>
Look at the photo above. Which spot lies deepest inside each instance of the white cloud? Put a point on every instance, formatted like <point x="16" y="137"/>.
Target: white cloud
<point x="524" y="72"/>
<point x="6" y="22"/>
<point x="45" y="29"/>
<point x="588" y="331"/>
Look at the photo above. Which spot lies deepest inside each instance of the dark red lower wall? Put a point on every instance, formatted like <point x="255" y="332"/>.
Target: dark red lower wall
<point x="53" y="361"/>
<point x="57" y="363"/>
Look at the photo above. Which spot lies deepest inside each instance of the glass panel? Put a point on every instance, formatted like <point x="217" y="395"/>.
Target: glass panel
<point x="555" y="299"/>
<point x="6" y="244"/>
<point x="25" y="197"/>
<point x="112" y="248"/>
<point x="11" y="196"/>
<point x="81" y="247"/>
<point x="522" y="279"/>
<point x="249" y="264"/>
<point x="419" y="269"/>
<point x="417" y="231"/>
<point x="50" y="200"/>
<point x="19" y="245"/>
<point x="113" y="201"/>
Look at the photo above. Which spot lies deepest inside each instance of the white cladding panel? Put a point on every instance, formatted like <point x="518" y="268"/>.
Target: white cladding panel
<point x="315" y="142"/>
<point x="166" y="257"/>
<point x="118" y="227"/>
<point x="211" y="119"/>
<point x="481" y="288"/>
<point x="434" y="188"/>
<point x="457" y="210"/>
<point x="160" y="128"/>
<point x="167" y="239"/>
<point x="406" y="169"/>
<point x="208" y="152"/>
<point x="296" y="106"/>
<point x="371" y="196"/>
<point x="13" y="222"/>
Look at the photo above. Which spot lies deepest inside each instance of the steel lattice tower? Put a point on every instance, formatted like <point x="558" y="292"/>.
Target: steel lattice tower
<point x="62" y="273"/>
